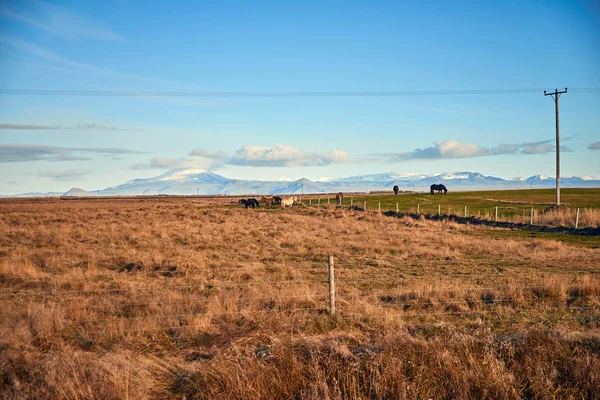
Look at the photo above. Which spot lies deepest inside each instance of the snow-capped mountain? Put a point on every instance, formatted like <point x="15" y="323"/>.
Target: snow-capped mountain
<point x="196" y="181"/>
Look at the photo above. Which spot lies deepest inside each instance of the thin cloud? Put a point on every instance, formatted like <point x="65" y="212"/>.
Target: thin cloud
<point x="206" y="154"/>
<point x="284" y="156"/>
<point x="452" y="149"/>
<point x="64" y="22"/>
<point x="64" y="176"/>
<point x="27" y="152"/>
<point x="248" y="156"/>
<point x="86" y="126"/>
<point x="49" y="56"/>
<point x="594" y="146"/>
<point x="170" y="163"/>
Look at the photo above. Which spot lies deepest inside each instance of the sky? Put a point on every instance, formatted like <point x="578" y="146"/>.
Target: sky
<point x="54" y="142"/>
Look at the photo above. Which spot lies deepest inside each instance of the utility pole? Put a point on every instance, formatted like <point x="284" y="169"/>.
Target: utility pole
<point x="555" y="97"/>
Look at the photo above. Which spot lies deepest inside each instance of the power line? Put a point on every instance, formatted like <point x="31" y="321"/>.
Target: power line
<point x="267" y="94"/>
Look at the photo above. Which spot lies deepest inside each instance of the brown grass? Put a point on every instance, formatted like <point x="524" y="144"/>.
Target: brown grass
<point x="172" y="298"/>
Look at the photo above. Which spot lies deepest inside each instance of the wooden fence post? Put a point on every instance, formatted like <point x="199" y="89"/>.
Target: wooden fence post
<point x="396" y="208"/>
<point x="328" y="200"/>
<point x="496" y="213"/>
<point x="379" y="207"/>
<point x="465" y="211"/>
<point x="418" y="209"/>
<point x="365" y="206"/>
<point x="310" y="202"/>
<point x="577" y="219"/>
<point x="531" y="217"/>
<point x="351" y="201"/>
<point x="319" y="202"/>
<point x="439" y="210"/>
<point x="331" y="287"/>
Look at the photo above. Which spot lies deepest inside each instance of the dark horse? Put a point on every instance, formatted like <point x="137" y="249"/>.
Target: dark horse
<point x="396" y="189"/>
<point x="248" y="203"/>
<point x="339" y="198"/>
<point x="277" y="199"/>
<point x="438" y="188"/>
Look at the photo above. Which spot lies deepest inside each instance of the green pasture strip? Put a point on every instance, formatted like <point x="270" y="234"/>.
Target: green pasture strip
<point x="479" y="203"/>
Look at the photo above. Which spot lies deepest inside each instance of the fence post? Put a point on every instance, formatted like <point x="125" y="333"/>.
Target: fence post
<point x="310" y="202"/>
<point x="331" y="287"/>
<point x="396" y="208"/>
<point x="465" y="211"/>
<point x="418" y="209"/>
<point x="328" y="200"/>
<point x="439" y="209"/>
<point x="577" y="219"/>
<point x="319" y="202"/>
<point x="365" y="206"/>
<point x="379" y="208"/>
<point x="531" y="217"/>
<point x="351" y="201"/>
<point x="496" y="213"/>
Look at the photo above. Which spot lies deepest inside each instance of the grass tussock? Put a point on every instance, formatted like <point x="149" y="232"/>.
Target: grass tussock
<point x="173" y="298"/>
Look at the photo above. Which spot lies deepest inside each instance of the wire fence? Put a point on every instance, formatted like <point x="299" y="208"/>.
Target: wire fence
<point x="140" y="309"/>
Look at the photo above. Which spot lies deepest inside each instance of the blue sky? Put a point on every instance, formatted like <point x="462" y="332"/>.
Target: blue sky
<point x="52" y="143"/>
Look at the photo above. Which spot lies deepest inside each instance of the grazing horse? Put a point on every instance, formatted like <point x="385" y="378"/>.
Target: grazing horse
<point x="277" y="199"/>
<point x="438" y="188"/>
<point x="287" y="202"/>
<point x="269" y="201"/>
<point x="339" y="198"/>
<point x="248" y="203"/>
<point x="396" y="189"/>
<point x="244" y="203"/>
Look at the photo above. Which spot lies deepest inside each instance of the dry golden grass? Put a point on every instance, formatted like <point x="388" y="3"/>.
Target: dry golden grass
<point x="176" y="298"/>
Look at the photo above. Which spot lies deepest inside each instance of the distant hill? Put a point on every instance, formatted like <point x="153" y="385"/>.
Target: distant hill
<point x="197" y="181"/>
<point x="76" y="192"/>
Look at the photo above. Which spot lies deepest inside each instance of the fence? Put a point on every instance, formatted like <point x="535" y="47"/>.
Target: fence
<point x="568" y="217"/>
<point x="346" y="289"/>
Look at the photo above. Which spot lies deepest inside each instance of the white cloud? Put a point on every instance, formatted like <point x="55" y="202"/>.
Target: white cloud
<point x="170" y="163"/>
<point x="453" y="149"/>
<point x="206" y="154"/>
<point x="249" y="156"/>
<point x="284" y="156"/>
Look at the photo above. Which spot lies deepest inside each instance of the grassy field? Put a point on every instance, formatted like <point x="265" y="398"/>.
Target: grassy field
<point x="174" y="298"/>
<point x="513" y="205"/>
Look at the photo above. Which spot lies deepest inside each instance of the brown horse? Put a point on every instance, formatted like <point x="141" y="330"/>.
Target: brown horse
<point x="339" y="198"/>
<point x="396" y="189"/>
<point x="269" y="201"/>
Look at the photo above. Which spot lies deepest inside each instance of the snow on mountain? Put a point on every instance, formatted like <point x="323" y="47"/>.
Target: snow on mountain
<point x="197" y="181"/>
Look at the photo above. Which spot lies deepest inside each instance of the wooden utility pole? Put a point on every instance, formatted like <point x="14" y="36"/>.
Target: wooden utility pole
<point x="555" y="95"/>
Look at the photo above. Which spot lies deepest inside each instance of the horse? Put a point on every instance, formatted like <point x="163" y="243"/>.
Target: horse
<point x="438" y="188"/>
<point x="269" y="201"/>
<point x="248" y="203"/>
<point x="244" y="203"/>
<point x="277" y="199"/>
<point x="339" y="198"/>
<point x="287" y="202"/>
<point x="396" y="189"/>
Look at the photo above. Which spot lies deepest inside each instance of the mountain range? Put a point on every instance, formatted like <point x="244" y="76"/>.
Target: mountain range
<point x="197" y="181"/>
